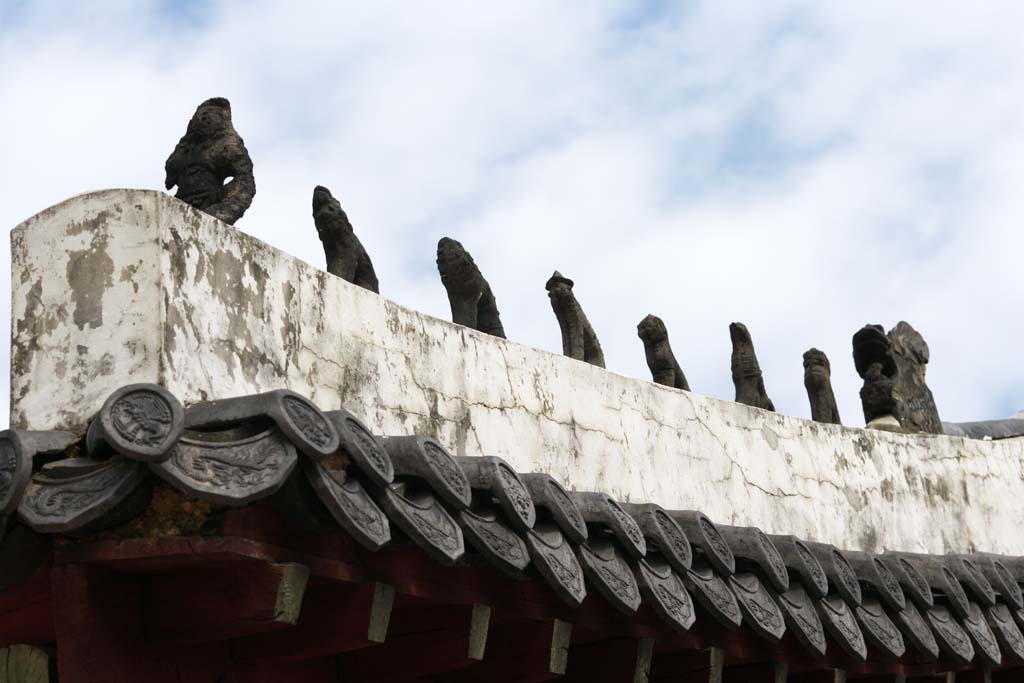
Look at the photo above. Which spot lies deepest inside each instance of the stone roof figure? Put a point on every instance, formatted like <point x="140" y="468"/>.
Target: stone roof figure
<point x="746" y="372"/>
<point x="211" y="152"/>
<point x="579" y="340"/>
<point x="818" y="382"/>
<point x="915" y="406"/>
<point x="469" y="294"/>
<point x="345" y="254"/>
<point x="660" y="359"/>
<point x="893" y="368"/>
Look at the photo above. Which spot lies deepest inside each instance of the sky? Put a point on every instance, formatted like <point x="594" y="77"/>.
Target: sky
<point x="803" y="167"/>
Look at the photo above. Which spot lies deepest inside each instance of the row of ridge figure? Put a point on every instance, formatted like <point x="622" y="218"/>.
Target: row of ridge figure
<point x="892" y="365"/>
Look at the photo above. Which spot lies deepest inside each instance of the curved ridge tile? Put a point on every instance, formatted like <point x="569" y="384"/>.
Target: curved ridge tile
<point x="497" y="480"/>
<point x="841" y="575"/>
<point x="1001" y="578"/>
<point x="841" y="623"/>
<point x="753" y="549"/>
<point x="349" y="504"/>
<point x="83" y="495"/>
<point x="663" y="534"/>
<point x="802" y="619"/>
<point x="799" y="560"/>
<point x="551" y="500"/>
<point x="664" y="591"/>
<point x="295" y="415"/>
<point x="496" y="541"/>
<point x="17" y="449"/>
<point x="985" y="643"/>
<point x="556" y="562"/>
<point x="138" y="421"/>
<point x="704" y="535"/>
<point x="952" y="638"/>
<point x="423" y="519"/>
<point x="713" y="593"/>
<point x="915" y="585"/>
<point x="424" y="458"/>
<point x="916" y="632"/>
<point x="601" y="509"/>
<point x="608" y="571"/>
<point x="223" y="469"/>
<point x="941" y="579"/>
<point x="759" y="608"/>
<point x="1009" y="636"/>
<point x="360" y="445"/>
<point x="972" y="578"/>
<point x="879" y="630"/>
<point x="875" y="572"/>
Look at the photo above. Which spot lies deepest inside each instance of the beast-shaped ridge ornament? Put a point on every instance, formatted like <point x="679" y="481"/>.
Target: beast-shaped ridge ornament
<point x="471" y="299"/>
<point x="579" y="340"/>
<point x="345" y="254"/>
<point x="895" y="396"/>
<point x="210" y="153"/>
<point x="746" y="372"/>
<point x="818" y="382"/>
<point x="661" y="361"/>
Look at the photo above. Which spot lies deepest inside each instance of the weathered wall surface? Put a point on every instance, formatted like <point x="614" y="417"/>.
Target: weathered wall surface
<point x="122" y="286"/>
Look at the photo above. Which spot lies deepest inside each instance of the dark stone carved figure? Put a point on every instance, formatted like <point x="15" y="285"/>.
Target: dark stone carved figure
<point x="660" y="359"/>
<point x="578" y="338"/>
<point x="210" y="153"/>
<point x="470" y="296"/>
<point x="746" y="372"/>
<point x="872" y="356"/>
<point x="818" y="382"/>
<point x="915" y="405"/>
<point x="345" y="254"/>
<point x="893" y="368"/>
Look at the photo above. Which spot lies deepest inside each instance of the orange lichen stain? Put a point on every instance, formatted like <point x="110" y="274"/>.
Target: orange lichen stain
<point x="170" y="513"/>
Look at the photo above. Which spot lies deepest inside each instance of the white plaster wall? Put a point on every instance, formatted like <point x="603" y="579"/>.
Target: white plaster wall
<point x="213" y="312"/>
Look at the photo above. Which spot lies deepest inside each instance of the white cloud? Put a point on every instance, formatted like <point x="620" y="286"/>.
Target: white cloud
<point x="803" y="167"/>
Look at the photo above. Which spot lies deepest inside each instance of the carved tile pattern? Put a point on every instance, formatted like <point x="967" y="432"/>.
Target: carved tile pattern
<point x="517" y="493"/>
<point x="616" y="575"/>
<point x="760" y="605"/>
<point x="915" y="577"/>
<point x="678" y="543"/>
<point x="437" y="527"/>
<point x="308" y="420"/>
<point x="845" y="573"/>
<point x="567" y="506"/>
<point x="955" y="592"/>
<point x="813" y="566"/>
<point x="716" y="590"/>
<point x="675" y="599"/>
<point x="772" y="554"/>
<point x="233" y="465"/>
<point x="983" y="636"/>
<point x="369" y="446"/>
<point x="882" y="628"/>
<point x="714" y="539"/>
<point x="1007" y="628"/>
<point x="446" y="468"/>
<point x="806" y="618"/>
<point x="977" y="576"/>
<point x="564" y="566"/>
<point x="629" y="525"/>
<point x="66" y="499"/>
<point x="949" y="630"/>
<point x="501" y="541"/>
<point x="142" y="417"/>
<point x="921" y="635"/>
<point x="359" y="508"/>
<point x="888" y="579"/>
<point x="843" y="620"/>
